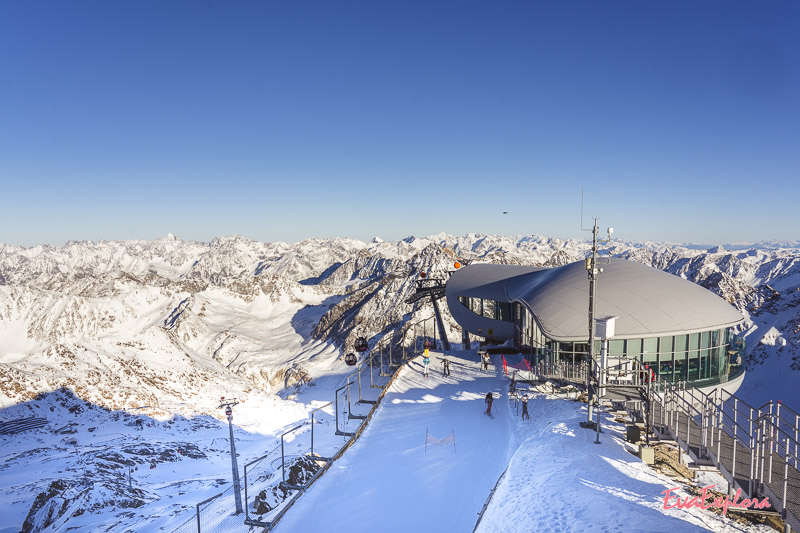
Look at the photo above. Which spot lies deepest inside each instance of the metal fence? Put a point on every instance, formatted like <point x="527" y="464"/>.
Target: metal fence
<point x="351" y="403"/>
<point x="216" y="514"/>
<point x="754" y="448"/>
<point x="399" y="345"/>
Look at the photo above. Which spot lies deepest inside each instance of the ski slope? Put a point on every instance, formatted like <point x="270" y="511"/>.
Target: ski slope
<point x="388" y="480"/>
<point x="557" y="478"/>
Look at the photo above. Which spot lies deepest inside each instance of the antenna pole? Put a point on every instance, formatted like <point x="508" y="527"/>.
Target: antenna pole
<point x="591" y="266"/>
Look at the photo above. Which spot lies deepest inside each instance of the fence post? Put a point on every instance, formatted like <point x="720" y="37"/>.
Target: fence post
<point x="198" y="517"/>
<point x="703" y="436"/>
<point x="359" y="382"/>
<point x="246" y="501"/>
<point x="761" y="455"/>
<point x="773" y="434"/>
<point x="720" y="420"/>
<point x="753" y="468"/>
<point x="283" y="461"/>
<point x="733" y="467"/>
<point x="785" y="476"/>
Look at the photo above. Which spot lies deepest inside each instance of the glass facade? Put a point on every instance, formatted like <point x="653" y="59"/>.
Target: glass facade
<point x="488" y="308"/>
<point x="704" y="359"/>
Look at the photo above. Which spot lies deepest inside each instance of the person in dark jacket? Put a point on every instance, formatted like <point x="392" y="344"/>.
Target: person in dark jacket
<point x="525" y="407"/>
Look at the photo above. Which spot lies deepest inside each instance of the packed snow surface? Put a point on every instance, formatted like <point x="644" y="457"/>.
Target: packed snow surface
<point x="557" y="478"/>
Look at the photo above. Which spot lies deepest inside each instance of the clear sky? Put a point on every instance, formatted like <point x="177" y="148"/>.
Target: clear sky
<point x="288" y="120"/>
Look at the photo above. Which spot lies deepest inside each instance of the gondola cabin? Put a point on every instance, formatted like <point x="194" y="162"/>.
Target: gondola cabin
<point x="350" y="359"/>
<point x="361" y="345"/>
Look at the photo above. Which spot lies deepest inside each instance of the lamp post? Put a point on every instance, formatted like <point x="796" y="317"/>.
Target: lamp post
<point x="228" y="405"/>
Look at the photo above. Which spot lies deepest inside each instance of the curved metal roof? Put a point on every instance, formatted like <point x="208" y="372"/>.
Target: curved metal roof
<point x="648" y="301"/>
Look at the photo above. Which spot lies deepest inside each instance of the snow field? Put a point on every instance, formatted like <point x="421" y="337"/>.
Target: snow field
<point x="388" y="481"/>
<point x="557" y="480"/>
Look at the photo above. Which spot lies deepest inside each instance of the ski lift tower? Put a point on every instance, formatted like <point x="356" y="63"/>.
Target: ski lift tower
<point x="228" y="405"/>
<point x="432" y="288"/>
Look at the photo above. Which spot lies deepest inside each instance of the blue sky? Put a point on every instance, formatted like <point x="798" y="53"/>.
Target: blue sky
<point x="288" y="120"/>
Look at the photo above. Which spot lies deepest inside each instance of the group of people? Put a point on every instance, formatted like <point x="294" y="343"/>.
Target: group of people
<point x="426" y="362"/>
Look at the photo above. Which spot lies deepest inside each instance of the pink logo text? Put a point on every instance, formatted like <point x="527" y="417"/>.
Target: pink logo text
<point x="708" y="501"/>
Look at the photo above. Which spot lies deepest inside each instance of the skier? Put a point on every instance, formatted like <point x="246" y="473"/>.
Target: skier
<point x="426" y="361"/>
<point x="485" y="358"/>
<point x="489" y="400"/>
<point x="525" y="407"/>
<point x="445" y="367"/>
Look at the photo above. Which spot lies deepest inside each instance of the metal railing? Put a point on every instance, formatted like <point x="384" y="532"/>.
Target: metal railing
<point x="755" y="449"/>
<point x="390" y="352"/>
<point x="398" y="348"/>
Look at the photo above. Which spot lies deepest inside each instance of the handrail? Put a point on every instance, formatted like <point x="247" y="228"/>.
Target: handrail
<point x="761" y="434"/>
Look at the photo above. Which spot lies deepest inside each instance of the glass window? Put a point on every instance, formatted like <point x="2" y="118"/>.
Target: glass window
<point x="694" y="341"/>
<point x="693" y="363"/>
<point x="634" y="348"/>
<point x="665" y="345"/>
<point x="616" y="347"/>
<point x="705" y="359"/>
<point x="681" y="343"/>
<point x="704" y="338"/>
<point x="581" y="351"/>
<point x="665" y="367"/>
<point x="650" y="349"/>
<point x="488" y="308"/>
<point x="715" y="361"/>
<point x="680" y="366"/>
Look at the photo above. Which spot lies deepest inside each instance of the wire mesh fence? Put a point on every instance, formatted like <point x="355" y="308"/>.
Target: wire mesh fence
<point x="214" y="514"/>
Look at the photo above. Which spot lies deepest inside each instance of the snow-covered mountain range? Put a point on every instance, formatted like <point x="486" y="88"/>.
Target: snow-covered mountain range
<point x="167" y="327"/>
<point x="152" y="323"/>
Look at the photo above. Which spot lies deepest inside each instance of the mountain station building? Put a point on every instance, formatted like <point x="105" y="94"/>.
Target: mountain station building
<point x="683" y="331"/>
